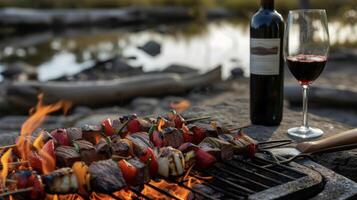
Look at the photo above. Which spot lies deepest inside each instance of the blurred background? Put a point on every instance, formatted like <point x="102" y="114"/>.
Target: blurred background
<point x="57" y="39"/>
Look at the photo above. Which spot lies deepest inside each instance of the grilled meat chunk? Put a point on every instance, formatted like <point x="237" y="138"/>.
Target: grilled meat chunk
<point x="106" y="177"/>
<point x="74" y="133"/>
<point x="66" y="156"/>
<point x="140" y="138"/>
<point x="242" y="143"/>
<point x="220" y="149"/>
<point x="122" y="147"/>
<point x="86" y="150"/>
<point x="103" y="149"/>
<point x="61" y="181"/>
<point x="92" y="133"/>
<point x="172" y="137"/>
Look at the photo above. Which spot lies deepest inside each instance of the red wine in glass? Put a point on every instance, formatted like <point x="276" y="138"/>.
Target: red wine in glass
<point x="306" y="68"/>
<point x="306" y="46"/>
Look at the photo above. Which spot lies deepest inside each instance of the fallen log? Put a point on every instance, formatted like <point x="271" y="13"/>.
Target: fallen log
<point x="323" y="95"/>
<point x="96" y="93"/>
<point x="61" y="18"/>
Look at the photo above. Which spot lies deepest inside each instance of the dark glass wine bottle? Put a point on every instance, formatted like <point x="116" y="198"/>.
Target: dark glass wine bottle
<point x="266" y="65"/>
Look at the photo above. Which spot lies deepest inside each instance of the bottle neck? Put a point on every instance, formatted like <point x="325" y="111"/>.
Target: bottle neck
<point x="267" y="4"/>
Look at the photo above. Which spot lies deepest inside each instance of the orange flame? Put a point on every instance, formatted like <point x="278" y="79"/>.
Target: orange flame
<point x="161" y="123"/>
<point x="180" y="106"/>
<point x="5" y="165"/>
<point x="34" y="121"/>
<point x="38" y="143"/>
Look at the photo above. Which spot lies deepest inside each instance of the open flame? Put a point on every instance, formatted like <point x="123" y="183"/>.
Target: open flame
<point x="35" y="121"/>
<point x="5" y="159"/>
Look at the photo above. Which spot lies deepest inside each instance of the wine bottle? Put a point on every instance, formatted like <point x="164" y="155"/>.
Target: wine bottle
<point x="266" y="65"/>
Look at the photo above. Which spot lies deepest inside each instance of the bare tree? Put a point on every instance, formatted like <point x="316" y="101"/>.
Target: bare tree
<point x="304" y="4"/>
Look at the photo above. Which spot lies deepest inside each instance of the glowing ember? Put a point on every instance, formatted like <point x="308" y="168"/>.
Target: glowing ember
<point x="35" y="121"/>
<point x="125" y="194"/>
<point x="5" y="159"/>
<point x="180" y="106"/>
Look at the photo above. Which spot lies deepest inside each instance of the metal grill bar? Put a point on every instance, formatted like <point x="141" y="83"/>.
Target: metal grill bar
<point x="268" y="170"/>
<point x="239" y="177"/>
<point x="265" y="161"/>
<point x="251" y="173"/>
<point x="244" y="189"/>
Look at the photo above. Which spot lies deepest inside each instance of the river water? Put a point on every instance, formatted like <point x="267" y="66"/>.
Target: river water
<point x="202" y="47"/>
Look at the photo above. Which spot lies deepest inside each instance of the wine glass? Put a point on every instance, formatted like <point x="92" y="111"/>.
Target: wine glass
<point x="306" y="45"/>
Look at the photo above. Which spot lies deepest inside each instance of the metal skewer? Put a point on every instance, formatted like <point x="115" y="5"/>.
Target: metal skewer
<point x="15" y="191"/>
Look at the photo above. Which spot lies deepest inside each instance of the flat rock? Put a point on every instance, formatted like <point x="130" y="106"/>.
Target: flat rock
<point x="152" y="48"/>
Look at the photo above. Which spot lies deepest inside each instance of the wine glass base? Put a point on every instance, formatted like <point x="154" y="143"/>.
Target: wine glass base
<point x="305" y="133"/>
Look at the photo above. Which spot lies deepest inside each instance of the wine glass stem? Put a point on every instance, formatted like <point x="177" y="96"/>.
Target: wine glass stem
<point x="304" y="107"/>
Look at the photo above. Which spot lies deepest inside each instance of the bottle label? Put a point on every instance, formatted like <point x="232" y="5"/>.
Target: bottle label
<point x="264" y="56"/>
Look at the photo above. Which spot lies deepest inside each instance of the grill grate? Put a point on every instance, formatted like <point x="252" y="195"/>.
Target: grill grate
<point x="256" y="178"/>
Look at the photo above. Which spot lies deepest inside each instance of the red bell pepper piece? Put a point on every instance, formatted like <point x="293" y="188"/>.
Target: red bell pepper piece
<point x="150" y="159"/>
<point x="187" y="134"/>
<point x="158" y="139"/>
<point x="133" y="124"/>
<point x="49" y="148"/>
<point x="107" y="126"/>
<point x="35" y="161"/>
<point x="198" y="134"/>
<point x="61" y="136"/>
<point x="129" y="171"/>
<point x="204" y="160"/>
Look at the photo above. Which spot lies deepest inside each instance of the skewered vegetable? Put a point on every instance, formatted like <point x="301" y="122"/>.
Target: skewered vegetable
<point x="61" y="181"/>
<point x="61" y="136"/>
<point x="170" y="161"/>
<point x="80" y="169"/>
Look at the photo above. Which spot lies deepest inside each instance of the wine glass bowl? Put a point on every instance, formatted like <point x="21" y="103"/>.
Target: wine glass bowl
<point x="306" y="46"/>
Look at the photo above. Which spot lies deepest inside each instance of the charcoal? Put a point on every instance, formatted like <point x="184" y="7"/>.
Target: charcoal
<point x="172" y="137"/>
<point x="74" y="133"/>
<point x="66" y="156"/>
<point x="106" y="177"/>
<point x="142" y="173"/>
<point x="86" y="150"/>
